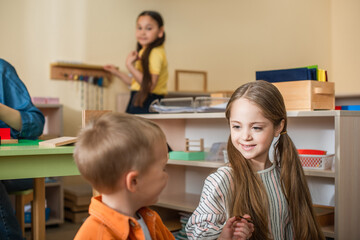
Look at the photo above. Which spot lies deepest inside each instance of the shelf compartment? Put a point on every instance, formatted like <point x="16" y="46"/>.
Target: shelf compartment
<point x="329" y="231"/>
<point x="181" y="201"/>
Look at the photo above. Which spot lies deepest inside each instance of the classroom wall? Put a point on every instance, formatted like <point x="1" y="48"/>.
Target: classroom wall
<point x="228" y="39"/>
<point x="345" y="46"/>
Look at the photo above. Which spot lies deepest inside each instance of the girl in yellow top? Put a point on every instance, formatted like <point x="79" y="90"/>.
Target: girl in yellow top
<point x="147" y="65"/>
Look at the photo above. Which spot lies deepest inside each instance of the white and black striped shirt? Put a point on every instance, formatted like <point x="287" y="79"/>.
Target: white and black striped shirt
<point x="210" y="216"/>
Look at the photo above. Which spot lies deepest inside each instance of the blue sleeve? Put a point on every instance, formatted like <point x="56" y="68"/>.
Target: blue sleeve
<point x="13" y="93"/>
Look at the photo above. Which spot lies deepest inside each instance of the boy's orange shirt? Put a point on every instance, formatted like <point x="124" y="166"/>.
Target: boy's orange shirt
<point x="105" y="223"/>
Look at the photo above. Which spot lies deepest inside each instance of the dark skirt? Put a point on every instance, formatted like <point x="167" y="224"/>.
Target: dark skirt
<point x="141" y="110"/>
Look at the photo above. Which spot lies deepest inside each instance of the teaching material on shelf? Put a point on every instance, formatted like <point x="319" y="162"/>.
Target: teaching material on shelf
<point x="93" y="74"/>
<point x="194" y="150"/>
<point x="194" y="145"/>
<point x="9" y="141"/>
<point x="291" y="74"/>
<point x="307" y="95"/>
<point x="311" y="152"/>
<point x="189" y="105"/>
<point x="211" y="104"/>
<point x="45" y="100"/>
<point x="351" y="107"/>
<point x="5" y="133"/>
<point x="216" y="152"/>
<point x="191" y="156"/>
<point x="322" y="75"/>
<point x="324" y="162"/>
<point x="27" y="213"/>
<point x="60" y="141"/>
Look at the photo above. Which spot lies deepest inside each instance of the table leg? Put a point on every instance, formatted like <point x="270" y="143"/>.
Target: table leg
<point x="38" y="211"/>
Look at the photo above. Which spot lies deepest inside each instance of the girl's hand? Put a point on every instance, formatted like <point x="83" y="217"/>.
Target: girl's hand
<point x="243" y="228"/>
<point x="111" y="68"/>
<point x="131" y="58"/>
<point x="237" y="229"/>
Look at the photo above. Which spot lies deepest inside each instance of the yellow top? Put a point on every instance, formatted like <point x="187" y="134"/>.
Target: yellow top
<point x="157" y="65"/>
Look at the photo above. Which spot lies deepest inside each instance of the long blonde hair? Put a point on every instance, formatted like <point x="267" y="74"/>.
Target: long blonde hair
<point x="249" y="195"/>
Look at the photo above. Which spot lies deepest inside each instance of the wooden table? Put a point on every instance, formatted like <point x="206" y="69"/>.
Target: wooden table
<point x="29" y="160"/>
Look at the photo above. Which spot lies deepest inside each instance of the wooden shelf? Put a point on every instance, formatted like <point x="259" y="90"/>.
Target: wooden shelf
<point x="206" y="164"/>
<point x="71" y="71"/>
<point x="319" y="173"/>
<point x="181" y="201"/>
<point x="220" y="115"/>
<point x="329" y="231"/>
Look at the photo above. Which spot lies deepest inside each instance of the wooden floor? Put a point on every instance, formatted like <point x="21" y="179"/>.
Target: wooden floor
<point x="64" y="231"/>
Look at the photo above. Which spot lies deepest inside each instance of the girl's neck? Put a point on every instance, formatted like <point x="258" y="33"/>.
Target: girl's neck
<point x="260" y="165"/>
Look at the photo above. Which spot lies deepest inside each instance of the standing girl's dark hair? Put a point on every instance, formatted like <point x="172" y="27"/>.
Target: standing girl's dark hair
<point x="146" y="81"/>
<point x="250" y="195"/>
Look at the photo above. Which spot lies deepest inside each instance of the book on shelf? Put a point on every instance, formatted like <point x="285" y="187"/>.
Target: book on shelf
<point x="291" y="74"/>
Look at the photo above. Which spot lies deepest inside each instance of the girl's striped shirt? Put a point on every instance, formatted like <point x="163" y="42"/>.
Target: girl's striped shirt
<point x="210" y="216"/>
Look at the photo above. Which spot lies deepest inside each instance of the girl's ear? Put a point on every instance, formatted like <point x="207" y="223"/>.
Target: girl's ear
<point x="279" y="128"/>
<point x="131" y="180"/>
<point x="161" y="32"/>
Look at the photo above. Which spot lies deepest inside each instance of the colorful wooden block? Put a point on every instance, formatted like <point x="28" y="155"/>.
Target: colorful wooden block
<point x="5" y="133"/>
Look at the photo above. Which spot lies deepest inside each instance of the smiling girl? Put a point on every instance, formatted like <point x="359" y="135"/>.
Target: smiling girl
<point x="270" y="199"/>
<point x="147" y="65"/>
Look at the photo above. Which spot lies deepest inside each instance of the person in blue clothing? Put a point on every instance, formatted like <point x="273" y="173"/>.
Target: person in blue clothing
<point x="25" y="121"/>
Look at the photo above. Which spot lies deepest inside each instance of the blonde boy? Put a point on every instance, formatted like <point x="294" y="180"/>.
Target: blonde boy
<point x="123" y="157"/>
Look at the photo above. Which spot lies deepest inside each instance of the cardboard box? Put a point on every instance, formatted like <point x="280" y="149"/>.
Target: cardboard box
<point x="307" y="95"/>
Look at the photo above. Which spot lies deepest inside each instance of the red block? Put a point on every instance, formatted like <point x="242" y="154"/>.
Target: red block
<point x="5" y="133"/>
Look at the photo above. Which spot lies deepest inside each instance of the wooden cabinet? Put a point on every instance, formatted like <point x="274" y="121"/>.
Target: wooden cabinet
<point x="337" y="132"/>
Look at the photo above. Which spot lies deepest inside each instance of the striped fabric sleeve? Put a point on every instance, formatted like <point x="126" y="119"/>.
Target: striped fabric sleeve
<point x="210" y="216"/>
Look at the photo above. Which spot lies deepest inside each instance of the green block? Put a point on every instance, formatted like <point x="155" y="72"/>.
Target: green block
<point x="179" y="155"/>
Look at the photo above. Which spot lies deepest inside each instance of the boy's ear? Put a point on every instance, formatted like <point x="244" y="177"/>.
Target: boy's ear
<point x="131" y="180"/>
<point x="161" y="32"/>
<point x="280" y="128"/>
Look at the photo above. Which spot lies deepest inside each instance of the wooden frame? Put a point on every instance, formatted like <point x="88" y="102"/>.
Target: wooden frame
<point x="179" y="72"/>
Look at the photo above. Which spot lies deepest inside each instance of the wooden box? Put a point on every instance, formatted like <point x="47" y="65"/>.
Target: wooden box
<point x="307" y="95"/>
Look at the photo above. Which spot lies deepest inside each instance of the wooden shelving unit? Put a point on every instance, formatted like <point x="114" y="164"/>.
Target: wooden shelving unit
<point x="337" y="132"/>
<point x="54" y="196"/>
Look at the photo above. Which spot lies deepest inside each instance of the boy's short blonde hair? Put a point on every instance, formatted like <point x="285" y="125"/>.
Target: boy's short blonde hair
<point x="114" y="144"/>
